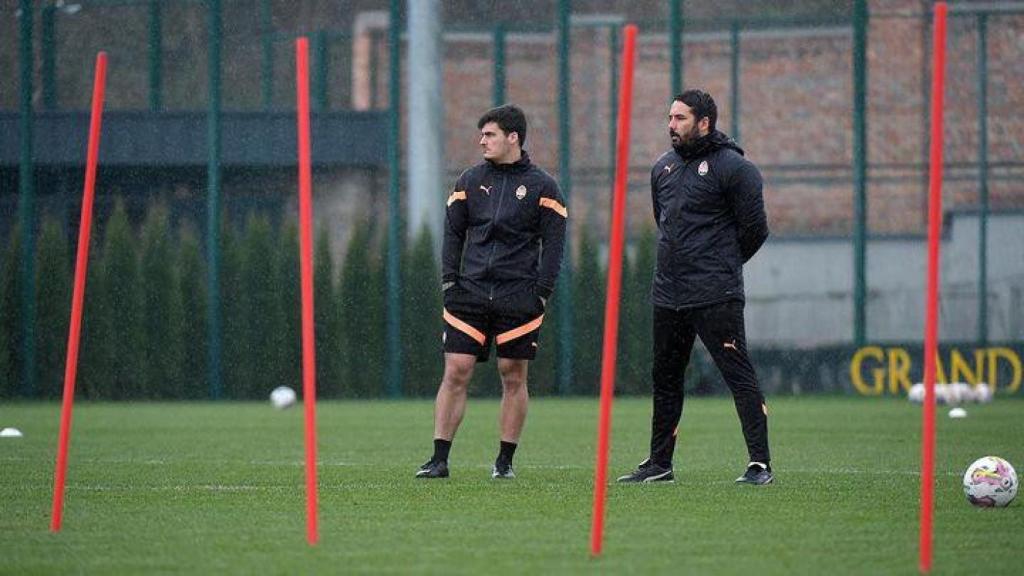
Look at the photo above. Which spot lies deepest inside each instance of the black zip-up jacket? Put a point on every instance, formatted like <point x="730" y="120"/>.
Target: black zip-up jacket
<point x="504" y="230"/>
<point x="711" y="219"/>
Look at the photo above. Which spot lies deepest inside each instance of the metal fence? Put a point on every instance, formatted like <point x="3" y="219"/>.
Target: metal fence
<point x="833" y="109"/>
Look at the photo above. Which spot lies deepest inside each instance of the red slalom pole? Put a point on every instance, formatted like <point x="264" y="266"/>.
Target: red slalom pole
<point x="932" y="304"/>
<point x="306" y="265"/>
<point x="611" y="309"/>
<point x="78" y="295"/>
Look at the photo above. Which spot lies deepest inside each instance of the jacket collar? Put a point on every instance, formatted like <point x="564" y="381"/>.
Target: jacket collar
<point x="516" y="167"/>
<point x="705" y="145"/>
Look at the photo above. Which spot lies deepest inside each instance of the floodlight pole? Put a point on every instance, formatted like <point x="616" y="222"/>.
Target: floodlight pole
<point x="213" y="153"/>
<point x="860" y="177"/>
<point x="26" y="202"/>
<point x="393" y="340"/>
<point x="563" y="290"/>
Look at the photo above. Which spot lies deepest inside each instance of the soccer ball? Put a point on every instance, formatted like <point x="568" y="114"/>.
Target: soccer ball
<point x="916" y="394"/>
<point x="982" y="393"/>
<point x="945" y="394"/>
<point x="282" y="397"/>
<point x="989" y="482"/>
<point x="960" y="393"/>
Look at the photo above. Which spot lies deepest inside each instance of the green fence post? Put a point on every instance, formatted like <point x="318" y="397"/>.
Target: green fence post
<point x="155" y="56"/>
<point x="734" y="78"/>
<point x="26" y="206"/>
<point x="564" y="288"/>
<point x="675" y="42"/>
<point x="860" y="155"/>
<point x="983" y="179"/>
<point x="49" y="45"/>
<point x="613" y="98"/>
<point x="266" y="55"/>
<point x="213" y="197"/>
<point x="394" y="290"/>
<point x="499" y="64"/>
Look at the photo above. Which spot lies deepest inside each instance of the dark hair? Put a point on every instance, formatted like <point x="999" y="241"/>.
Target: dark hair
<point x="702" y="104"/>
<point x="509" y="118"/>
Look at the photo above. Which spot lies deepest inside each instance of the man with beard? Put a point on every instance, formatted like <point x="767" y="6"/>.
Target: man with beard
<point x="710" y="216"/>
<point x="503" y="241"/>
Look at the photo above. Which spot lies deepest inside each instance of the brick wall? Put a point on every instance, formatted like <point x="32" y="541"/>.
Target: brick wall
<point x="795" y="118"/>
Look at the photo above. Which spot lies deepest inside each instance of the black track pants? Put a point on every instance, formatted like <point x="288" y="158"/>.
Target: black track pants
<point x="721" y="329"/>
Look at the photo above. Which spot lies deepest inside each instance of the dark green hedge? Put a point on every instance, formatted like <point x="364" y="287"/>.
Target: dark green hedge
<point x="144" y="332"/>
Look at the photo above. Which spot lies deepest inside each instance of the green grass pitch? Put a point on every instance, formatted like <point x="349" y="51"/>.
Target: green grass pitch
<point x="219" y="488"/>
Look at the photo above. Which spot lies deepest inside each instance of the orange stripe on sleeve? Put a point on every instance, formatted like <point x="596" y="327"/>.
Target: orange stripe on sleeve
<point x="520" y="331"/>
<point x="456" y="196"/>
<point x="554" y="205"/>
<point x="464" y="327"/>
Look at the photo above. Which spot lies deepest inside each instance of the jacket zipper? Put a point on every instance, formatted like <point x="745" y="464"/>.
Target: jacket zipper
<point x="685" y="167"/>
<point x="494" y="220"/>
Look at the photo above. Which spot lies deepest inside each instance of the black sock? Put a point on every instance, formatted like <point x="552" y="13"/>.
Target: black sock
<point x="507" y="451"/>
<point x="441" y="448"/>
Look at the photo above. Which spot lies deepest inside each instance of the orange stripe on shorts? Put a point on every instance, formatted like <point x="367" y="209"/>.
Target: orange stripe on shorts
<point x="520" y="331"/>
<point x="464" y="327"/>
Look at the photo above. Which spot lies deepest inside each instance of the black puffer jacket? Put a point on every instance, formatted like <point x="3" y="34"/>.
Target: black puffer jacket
<point x="504" y="230"/>
<point x="711" y="219"/>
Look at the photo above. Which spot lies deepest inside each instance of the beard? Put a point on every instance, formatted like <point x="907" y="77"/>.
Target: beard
<point x="684" y="138"/>
<point x="688" y="142"/>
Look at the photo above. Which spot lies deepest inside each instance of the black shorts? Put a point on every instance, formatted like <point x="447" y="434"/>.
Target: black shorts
<point x="472" y="322"/>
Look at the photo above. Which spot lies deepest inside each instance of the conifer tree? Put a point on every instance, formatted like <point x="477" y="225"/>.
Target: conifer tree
<point x="10" y="317"/>
<point x="53" y="308"/>
<point x="265" y="334"/>
<point x="93" y="380"/>
<point x="236" y="362"/>
<point x="162" y="344"/>
<point x="636" y="336"/>
<point x="588" y="301"/>
<point x="122" y="308"/>
<point x="421" y="317"/>
<point x="327" y="319"/>
<point x="5" y="338"/>
<point x="377" y="312"/>
<point x="543" y="373"/>
<point x="360" y="300"/>
<point x="194" y="306"/>
<point x="291" y="304"/>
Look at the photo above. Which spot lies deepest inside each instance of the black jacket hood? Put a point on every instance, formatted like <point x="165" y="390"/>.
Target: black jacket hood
<point x="519" y="166"/>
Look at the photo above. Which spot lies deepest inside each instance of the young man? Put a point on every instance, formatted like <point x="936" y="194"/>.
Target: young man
<point x="503" y="242"/>
<point x="710" y="216"/>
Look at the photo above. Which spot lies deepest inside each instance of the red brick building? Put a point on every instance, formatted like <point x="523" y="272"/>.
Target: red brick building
<point x="795" y="109"/>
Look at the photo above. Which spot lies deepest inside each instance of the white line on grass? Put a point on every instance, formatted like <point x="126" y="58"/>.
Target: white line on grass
<point x="175" y="488"/>
<point x="345" y="464"/>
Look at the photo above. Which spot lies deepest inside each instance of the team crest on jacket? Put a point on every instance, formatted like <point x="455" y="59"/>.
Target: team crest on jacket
<point x="520" y="192"/>
<point x="703" y="168"/>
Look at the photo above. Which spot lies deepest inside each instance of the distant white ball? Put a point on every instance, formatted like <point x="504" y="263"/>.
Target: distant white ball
<point x="982" y="393"/>
<point x="944" y="394"/>
<point x="282" y="397"/>
<point x="957" y="412"/>
<point x="916" y="393"/>
<point x="967" y="394"/>
<point x="990" y="482"/>
<point x="962" y="392"/>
